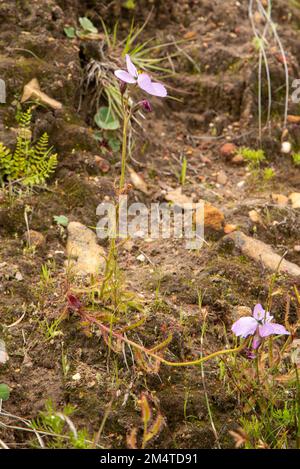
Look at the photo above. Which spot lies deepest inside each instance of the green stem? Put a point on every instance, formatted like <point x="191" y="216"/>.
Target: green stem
<point x="297" y="407"/>
<point x="257" y="367"/>
<point x="150" y="353"/>
<point x="124" y="148"/>
<point x="110" y="269"/>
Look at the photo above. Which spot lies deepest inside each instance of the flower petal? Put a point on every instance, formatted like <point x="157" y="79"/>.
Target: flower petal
<point x="272" y="329"/>
<point x="155" y="89"/>
<point x="144" y="82"/>
<point x="257" y="340"/>
<point x="259" y="312"/>
<point x="124" y="76"/>
<point x="159" y="90"/>
<point x="244" y="326"/>
<point x="261" y="315"/>
<point x="131" y="67"/>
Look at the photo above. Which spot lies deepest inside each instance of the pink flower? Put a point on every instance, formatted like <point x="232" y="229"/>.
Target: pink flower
<point x="143" y="80"/>
<point x="259" y="325"/>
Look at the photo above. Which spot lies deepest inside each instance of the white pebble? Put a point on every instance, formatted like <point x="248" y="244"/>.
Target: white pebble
<point x="286" y="148"/>
<point x="141" y="258"/>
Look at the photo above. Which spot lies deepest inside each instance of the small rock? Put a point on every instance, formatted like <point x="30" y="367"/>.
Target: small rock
<point x="263" y="254"/>
<point x="102" y="164"/>
<point x="138" y="181"/>
<point x="35" y="238"/>
<point x="240" y="311"/>
<point x="286" y="148"/>
<point x="280" y="200"/>
<point x="3" y="353"/>
<point x="8" y="271"/>
<point x="32" y="91"/>
<point x="205" y="160"/>
<point x="19" y="276"/>
<point x="295" y="352"/>
<point x="255" y="217"/>
<point x="295" y="199"/>
<point x="293" y="119"/>
<point x="141" y="258"/>
<point x="222" y="178"/>
<point x="297" y="248"/>
<point x="238" y="159"/>
<point x="228" y="150"/>
<point x="240" y="184"/>
<point x="229" y="228"/>
<point x="177" y="197"/>
<point x="76" y="377"/>
<point x="86" y="256"/>
<point x="213" y="217"/>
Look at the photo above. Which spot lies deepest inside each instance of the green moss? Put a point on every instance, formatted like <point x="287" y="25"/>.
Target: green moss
<point x="76" y="192"/>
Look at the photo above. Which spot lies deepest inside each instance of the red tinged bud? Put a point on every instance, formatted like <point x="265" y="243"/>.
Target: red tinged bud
<point x="73" y="302"/>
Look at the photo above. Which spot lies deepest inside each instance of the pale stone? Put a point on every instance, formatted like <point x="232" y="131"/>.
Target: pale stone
<point x="280" y="199"/>
<point x="263" y="254"/>
<point x="295" y="199"/>
<point x="222" y="178"/>
<point x="35" y="238"/>
<point x="84" y="254"/>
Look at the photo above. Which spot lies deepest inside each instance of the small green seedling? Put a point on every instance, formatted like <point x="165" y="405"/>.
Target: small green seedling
<point x="61" y="220"/>
<point x="296" y="159"/>
<point x="86" y="29"/>
<point x="269" y="174"/>
<point x="70" y="32"/>
<point x="87" y="25"/>
<point x="129" y="4"/>
<point x="4" y="392"/>
<point x="254" y="157"/>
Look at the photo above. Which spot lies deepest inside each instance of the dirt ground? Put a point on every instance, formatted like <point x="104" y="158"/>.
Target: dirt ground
<point x="214" y="106"/>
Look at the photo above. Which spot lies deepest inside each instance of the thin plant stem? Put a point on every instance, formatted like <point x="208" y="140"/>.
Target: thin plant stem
<point x="91" y="319"/>
<point x="124" y="149"/>
<point x="267" y="15"/>
<point x="203" y="330"/>
<point x="297" y="406"/>
<point x="257" y="367"/>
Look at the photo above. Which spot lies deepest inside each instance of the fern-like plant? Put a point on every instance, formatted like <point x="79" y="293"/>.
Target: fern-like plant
<point x="30" y="164"/>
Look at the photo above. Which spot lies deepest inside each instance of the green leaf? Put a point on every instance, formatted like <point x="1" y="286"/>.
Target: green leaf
<point x="87" y="25"/>
<point x="114" y="144"/>
<point x="106" y="120"/>
<point x="129" y="4"/>
<point x="61" y="220"/>
<point x="70" y="32"/>
<point x="98" y="135"/>
<point x="4" y="392"/>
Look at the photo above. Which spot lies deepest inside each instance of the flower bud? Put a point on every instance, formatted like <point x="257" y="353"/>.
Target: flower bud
<point x="123" y="87"/>
<point x="146" y="105"/>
